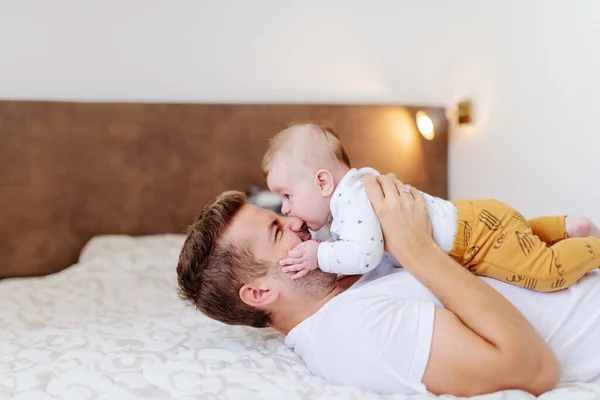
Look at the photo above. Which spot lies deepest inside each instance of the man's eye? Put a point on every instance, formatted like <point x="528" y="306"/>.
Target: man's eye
<point x="279" y="231"/>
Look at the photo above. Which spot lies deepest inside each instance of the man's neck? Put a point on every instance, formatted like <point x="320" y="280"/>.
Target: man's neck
<point x="288" y="318"/>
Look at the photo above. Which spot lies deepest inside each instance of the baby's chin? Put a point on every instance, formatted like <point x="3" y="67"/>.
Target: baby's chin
<point x="314" y="227"/>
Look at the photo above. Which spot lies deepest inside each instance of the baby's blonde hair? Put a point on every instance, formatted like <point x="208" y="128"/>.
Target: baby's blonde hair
<point x="306" y="144"/>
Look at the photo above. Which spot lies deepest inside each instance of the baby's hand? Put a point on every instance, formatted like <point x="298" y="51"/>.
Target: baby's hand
<point x="302" y="258"/>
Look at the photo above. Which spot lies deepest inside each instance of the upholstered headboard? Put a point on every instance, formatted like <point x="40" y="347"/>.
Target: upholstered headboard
<point x="70" y="171"/>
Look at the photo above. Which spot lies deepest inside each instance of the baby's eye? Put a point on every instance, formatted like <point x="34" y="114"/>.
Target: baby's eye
<point x="287" y="196"/>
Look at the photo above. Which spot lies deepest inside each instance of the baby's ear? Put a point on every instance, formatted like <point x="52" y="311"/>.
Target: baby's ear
<point x="324" y="179"/>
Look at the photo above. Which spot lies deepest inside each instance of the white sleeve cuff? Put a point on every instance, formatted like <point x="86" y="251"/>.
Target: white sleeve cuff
<point x="324" y="256"/>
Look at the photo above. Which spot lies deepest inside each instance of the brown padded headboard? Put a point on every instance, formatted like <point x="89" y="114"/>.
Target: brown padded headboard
<point x="70" y="171"/>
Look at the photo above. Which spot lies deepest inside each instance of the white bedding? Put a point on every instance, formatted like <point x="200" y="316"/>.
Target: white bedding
<point x="112" y="327"/>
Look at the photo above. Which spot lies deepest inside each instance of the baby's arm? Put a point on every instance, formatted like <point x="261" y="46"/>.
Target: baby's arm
<point x="359" y="247"/>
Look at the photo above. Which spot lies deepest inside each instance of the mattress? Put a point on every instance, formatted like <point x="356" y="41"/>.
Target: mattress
<point x="112" y="327"/>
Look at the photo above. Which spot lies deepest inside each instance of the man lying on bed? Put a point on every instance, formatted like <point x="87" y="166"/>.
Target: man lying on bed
<point x="430" y="326"/>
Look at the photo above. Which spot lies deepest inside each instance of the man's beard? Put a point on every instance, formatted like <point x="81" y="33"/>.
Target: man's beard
<point x="316" y="283"/>
<point x="304" y="234"/>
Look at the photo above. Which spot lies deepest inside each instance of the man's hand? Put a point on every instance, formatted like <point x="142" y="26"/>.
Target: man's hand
<point x="302" y="258"/>
<point x="402" y="212"/>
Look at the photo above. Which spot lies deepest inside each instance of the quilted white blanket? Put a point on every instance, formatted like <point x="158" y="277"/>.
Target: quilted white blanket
<point x="112" y="327"/>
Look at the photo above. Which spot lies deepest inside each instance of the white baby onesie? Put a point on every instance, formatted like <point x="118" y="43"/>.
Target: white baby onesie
<point x="356" y="244"/>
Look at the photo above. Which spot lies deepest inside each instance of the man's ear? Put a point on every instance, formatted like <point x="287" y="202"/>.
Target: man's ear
<point x="324" y="179"/>
<point x="259" y="294"/>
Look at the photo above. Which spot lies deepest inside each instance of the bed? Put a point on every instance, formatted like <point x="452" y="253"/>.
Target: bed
<point x="95" y="200"/>
<point x="112" y="327"/>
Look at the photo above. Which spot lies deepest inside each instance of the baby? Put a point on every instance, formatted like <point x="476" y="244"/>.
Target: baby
<point x="307" y="166"/>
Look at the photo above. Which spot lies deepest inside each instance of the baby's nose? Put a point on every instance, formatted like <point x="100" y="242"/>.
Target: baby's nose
<point x="285" y="210"/>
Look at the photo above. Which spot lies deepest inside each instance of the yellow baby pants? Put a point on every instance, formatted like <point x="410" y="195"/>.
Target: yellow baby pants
<point x="495" y="240"/>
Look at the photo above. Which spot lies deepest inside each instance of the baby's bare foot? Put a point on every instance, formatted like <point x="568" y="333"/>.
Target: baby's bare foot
<point x="581" y="227"/>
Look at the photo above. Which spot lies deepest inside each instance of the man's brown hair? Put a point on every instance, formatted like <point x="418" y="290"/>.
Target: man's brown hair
<point x="211" y="271"/>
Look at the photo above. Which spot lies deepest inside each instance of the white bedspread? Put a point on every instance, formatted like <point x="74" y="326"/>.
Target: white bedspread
<point x="112" y="327"/>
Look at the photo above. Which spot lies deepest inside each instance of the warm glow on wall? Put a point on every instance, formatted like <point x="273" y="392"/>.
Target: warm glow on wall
<point x="425" y="125"/>
<point x="398" y="146"/>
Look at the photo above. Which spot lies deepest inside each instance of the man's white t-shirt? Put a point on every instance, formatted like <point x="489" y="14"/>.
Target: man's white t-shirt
<point x="377" y="334"/>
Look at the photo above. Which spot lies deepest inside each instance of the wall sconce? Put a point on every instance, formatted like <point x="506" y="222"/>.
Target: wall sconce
<point x="465" y="112"/>
<point x="425" y="125"/>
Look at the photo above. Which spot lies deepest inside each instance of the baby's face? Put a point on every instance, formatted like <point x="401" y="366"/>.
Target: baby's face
<point x="301" y="197"/>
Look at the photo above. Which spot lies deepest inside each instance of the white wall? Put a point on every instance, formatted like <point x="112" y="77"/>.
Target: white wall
<point x="532" y="67"/>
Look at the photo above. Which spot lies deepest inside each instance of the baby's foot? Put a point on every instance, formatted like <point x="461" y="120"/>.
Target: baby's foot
<point x="581" y="227"/>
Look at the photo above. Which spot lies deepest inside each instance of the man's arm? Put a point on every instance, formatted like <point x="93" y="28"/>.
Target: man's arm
<point x="481" y="343"/>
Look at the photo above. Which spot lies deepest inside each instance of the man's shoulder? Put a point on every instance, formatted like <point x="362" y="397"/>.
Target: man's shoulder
<point x="343" y="313"/>
<point x="348" y="303"/>
<point x="327" y="330"/>
<point x="362" y="334"/>
<point x="392" y="293"/>
<point x="381" y="293"/>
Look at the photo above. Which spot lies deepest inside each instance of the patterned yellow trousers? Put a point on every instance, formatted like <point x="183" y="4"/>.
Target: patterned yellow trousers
<point x="495" y="240"/>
